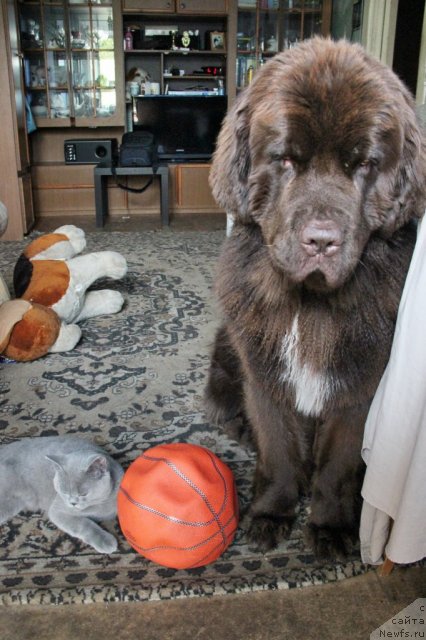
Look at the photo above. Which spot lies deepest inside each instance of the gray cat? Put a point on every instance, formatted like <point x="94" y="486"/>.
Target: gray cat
<point x="72" y="480"/>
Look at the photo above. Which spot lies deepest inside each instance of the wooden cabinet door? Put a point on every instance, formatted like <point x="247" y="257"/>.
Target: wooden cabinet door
<point x="193" y="191"/>
<point x="155" y="6"/>
<point x="15" y="192"/>
<point x="202" y="6"/>
<point x="179" y="6"/>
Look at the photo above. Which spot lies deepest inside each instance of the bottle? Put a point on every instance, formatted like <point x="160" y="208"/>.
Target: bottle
<point x="272" y="44"/>
<point x="250" y="72"/>
<point x="128" y="40"/>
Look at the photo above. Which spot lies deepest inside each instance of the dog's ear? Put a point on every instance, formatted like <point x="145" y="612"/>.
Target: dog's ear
<point x="231" y="162"/>
<point x="407" y="187"/>
<point x="131" y="74"/>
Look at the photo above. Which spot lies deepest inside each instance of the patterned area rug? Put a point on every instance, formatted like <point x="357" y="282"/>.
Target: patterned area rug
<point x="135" y="380"/>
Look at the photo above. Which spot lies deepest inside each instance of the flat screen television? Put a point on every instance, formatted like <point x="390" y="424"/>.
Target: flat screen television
<point x="185" y="127"/>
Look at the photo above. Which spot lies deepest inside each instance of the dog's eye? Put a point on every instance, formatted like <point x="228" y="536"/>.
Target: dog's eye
<point x="288" y="163"/>
<point x="362" y="166"/>
<point x="367" y="164"/>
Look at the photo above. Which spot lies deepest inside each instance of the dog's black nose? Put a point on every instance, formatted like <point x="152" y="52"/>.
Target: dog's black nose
<point x="321" y="237"/>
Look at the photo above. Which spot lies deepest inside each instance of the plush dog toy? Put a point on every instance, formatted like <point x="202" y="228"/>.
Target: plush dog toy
<point x="136" y="74"/>
<point x="41" y="275"/>
<point x="51" y="282"/>
<point x="28" y="330"/>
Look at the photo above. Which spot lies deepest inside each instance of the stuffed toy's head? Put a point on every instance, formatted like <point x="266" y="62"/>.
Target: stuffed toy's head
<point x="136" y="74"/>
<point x="65" y="242"/>
<point x="27" y="330"/>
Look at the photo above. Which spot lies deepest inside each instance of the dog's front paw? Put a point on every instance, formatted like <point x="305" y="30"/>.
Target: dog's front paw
<point x="329" y="543"/>
<point x="266" y="531"/>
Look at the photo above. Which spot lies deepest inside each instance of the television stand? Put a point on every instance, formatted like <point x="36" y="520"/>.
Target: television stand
<point x="103" y="170"/>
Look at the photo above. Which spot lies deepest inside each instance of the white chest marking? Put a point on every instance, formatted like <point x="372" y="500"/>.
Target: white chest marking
<point x="312" y="388"/>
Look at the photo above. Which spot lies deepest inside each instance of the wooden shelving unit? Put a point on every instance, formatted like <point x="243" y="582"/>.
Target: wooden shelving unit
<point x="59" y="188"/>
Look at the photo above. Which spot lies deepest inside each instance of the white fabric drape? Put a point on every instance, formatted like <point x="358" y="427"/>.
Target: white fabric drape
<point x="393" y="520"/>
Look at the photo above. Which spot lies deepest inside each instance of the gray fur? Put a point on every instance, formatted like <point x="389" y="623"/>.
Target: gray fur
<point x="72" y="480"/>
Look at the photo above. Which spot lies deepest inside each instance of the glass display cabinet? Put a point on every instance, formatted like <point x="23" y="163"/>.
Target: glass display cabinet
<point x="69" y="51"/>
<point x="265" y="27"/>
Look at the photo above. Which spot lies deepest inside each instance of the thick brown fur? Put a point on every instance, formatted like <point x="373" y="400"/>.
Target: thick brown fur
<point x="322" y="164"/>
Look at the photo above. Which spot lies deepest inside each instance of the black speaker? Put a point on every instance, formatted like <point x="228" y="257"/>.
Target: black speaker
<point x="90" y="151"/>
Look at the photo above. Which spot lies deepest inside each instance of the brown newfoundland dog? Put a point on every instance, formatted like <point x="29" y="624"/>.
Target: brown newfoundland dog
<point x="323" y="166"/>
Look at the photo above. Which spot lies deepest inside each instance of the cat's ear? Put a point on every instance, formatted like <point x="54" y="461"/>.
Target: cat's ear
<point x="97" y="466"/>
<point x="57" y="461"/>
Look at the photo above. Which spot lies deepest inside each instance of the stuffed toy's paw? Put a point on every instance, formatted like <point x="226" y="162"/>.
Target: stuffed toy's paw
<point x="116" y="265"/>
<point x="100" y="302"/>
<point x="102" y="264"/>
<point x="69" y="335"/>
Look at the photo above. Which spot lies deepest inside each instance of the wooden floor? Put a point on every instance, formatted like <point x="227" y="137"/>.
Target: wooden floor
<point x="347" y="610"/>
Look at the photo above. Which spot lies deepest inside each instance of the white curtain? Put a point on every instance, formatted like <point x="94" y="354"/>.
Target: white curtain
<point x="393" y="520"/>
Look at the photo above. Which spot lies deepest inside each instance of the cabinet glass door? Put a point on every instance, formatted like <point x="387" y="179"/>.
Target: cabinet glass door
<point x="258" y="35"/>
<point x="57" y="80"/>
<point x="70" y="61"/>
<point x="43" y="44"/>
<point x="267" y="26"/>
<point x="248" y="45"/>
<point x="300" y="19"/>
<point x="92" y="61"/>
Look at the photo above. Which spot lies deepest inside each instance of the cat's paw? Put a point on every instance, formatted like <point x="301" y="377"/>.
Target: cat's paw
<point x="104" y="542"/>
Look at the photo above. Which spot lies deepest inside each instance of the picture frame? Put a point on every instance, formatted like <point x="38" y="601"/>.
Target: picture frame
<point x="217" y="41"/>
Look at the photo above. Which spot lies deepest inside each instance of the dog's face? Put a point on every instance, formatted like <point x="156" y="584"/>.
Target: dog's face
<point x="321" y="152"/>
<point x="136" y="74"/>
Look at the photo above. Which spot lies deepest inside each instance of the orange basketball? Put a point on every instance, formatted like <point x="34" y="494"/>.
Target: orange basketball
<point x="178" y="506"/>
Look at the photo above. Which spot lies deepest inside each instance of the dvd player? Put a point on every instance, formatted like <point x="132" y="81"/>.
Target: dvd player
<point x="181" y="155"/>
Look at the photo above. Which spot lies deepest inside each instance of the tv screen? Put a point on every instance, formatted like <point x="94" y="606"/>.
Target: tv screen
<point x="185" y="127"/>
